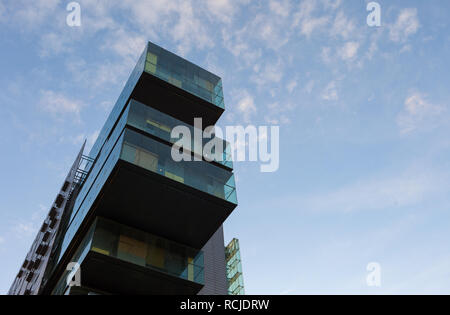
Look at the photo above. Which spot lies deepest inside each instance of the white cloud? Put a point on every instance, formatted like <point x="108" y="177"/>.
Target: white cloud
<point x="271" y="29"/>
<point x="330" y="93"/>
<point x="342" y="26"/>
<point x="326" y="54"/>
<point x="58" y="105"/>
<point x="309" y="86"/>
<point x="348" y="51"/>
<point x="222" y="9"/>
<point x="279" y="113"/>
<point x="332" y="4"/>
<point x="90" y="139"/>
<point x="407" y="24"/>
<point x="101" y="75"/>
<point x="53" y="44"/>
<point x="126" y="44"/>
<point x="281" y="8"/>
<point x="25" y="230"/>
<point x="31" y="14"/>
<point x="269" y="74"/>
<point x="2" y="240"/>
<point x="190" y="31"/>
<point x="291" y="86"/>
<point x="418" y="113"/>
<point x="305" y="20"/>
<point x="176" y="18"/>
<point x="309" y="25"/>
<point x="380" y="193"/>
<point x="237" y="44"/>
<point x="246" y="104"/>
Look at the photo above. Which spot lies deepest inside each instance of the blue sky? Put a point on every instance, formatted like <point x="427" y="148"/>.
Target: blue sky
<point x="363" y="114"/>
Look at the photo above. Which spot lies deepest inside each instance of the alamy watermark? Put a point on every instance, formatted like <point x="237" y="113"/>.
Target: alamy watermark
<point x="74" y="17"/>
<point x="374" y="277"/>
<point x="374" y="17"/>
<point x="74" y="277"/>
<point x="242" y="140"/>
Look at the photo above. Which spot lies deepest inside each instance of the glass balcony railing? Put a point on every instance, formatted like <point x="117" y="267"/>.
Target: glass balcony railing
<point x="184" y="75"/>
<point x="159" y="124"/>
<point x="143" y="249"/>
<point x="156" y="157"/>
<point x="115" y="240"/>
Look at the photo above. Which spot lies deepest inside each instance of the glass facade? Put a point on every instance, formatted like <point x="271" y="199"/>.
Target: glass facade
<point x="234" y="268"/>
<point x="133" y="147"/>
<point x="119" y="106"/>
<point x="146" y="250"/>
<point x="95" y="181"/>
<point x="160" y="125"/>
<point x="141" y="135"/>
<point x="80" y="254"/>
<point x="115" y="240"/>
<point x="184" y="75"/>
<point x="156" y="157"/>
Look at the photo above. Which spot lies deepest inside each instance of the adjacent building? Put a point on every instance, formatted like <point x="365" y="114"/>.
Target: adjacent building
<point x="131" y="220"/>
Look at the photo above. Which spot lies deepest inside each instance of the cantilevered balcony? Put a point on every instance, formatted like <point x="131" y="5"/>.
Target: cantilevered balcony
<point x="184" y="201"/>
<point x="135" y="180"/>
<point x="179" y="88"/>
<point x="118" y="259"/>
<point x="160" y="125"/>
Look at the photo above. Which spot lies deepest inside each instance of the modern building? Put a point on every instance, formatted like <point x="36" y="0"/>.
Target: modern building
<point x="234" y="268"/>
<point x="131" y="220"/>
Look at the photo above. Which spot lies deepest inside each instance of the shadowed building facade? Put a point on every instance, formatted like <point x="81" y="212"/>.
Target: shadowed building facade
<point x="129" y="218"/>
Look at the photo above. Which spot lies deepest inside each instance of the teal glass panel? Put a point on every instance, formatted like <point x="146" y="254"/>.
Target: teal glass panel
<point x="116" y="240"/>
<point x="147" y="250"/>
<point x="159" y="124"/>
<point x="234" y="268"/>
<point x="184" y="75"/>
<point x="156" y="157"/>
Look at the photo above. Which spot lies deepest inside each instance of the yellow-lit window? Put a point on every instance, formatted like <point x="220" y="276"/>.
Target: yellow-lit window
<point x="152" y="58"/>
<point x="151" y="68"/>
<point x="159" y="125"/>
<point x="174" y="177"/>
<point x="155" y="256"/>
<point x="147" y="160"/>
<point x="132" y="250"/>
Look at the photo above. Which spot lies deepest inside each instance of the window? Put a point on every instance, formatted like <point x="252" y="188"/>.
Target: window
<point x="66" y="185"/>
<point x="132" y="250"/>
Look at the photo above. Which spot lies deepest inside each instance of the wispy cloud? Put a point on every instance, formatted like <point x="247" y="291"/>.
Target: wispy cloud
<point x="400" y="190"/>
<point x="343" y="26"/>
<point x="90" y="139"/>
<point x="59" y="106"/>
<point x="222" y="9"/>
<point x="418" y="113"/>
<point x="349" y="50"/>
<point x="27" y="228"/>
<point x="30" y="14"/>
<point x="407" y="24"/>
<point x="307" y="21"/>
<point x="281" y="8"/>
<point x="245" y="104"/>
<point x="54" y="44"/>
<point x="330" y="93"/>
<point x="269" y="73"/>
<point x="279" y="113"/>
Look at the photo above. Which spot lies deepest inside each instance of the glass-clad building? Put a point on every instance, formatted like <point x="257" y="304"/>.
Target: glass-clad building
<point x="234" y="268"/>
<point x="137" y="221"/>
